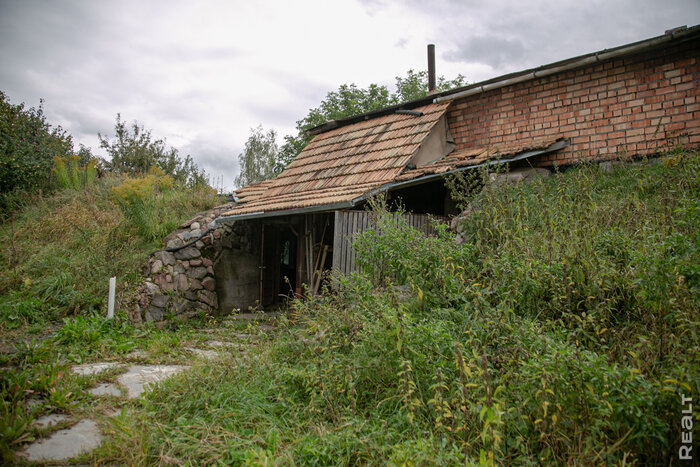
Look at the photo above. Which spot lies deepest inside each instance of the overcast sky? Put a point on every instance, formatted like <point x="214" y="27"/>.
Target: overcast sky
<point x="203" y="73"/>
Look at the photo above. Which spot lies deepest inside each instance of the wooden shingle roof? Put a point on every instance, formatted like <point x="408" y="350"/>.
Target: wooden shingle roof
<point x="345" y="163"/>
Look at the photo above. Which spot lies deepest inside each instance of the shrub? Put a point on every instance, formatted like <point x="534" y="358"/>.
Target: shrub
<point x="27" y="148"/>
<point x="134" y="152"/>
<point x="70" y="173"/>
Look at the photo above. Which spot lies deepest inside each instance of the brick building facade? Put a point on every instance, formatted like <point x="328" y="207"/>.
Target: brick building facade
<point x="631" y="105"/>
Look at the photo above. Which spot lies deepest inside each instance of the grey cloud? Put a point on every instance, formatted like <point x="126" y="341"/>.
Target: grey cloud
<point x="274" y="115"/>
<point x="490" y="50"/>
<point x="302" y="94"/>
<point x="85" y="124"/>
<point x="512" y="35"/>
<point x="219" y="160"/>
<point x="187" y="53"/>
<point x="373" y="6"/>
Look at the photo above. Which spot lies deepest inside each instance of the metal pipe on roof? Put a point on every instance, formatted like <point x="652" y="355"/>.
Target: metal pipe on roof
<point x="548" y="70"/>
<point x="431" y="68"/>
<point x="417" y="113"/>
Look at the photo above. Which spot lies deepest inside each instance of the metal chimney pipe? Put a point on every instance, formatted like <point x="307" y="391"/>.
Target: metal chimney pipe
<point x="431" y="68"/>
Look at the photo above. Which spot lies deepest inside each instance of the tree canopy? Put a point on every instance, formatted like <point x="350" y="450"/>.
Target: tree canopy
<point x="134" y="151"/>
<point x="28" y="145"/>
<point x="259" y="160"/>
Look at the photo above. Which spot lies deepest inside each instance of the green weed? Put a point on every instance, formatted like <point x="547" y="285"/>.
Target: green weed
<point x="563" y="330"/>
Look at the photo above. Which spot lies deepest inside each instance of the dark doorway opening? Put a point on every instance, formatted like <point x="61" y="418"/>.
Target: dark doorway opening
<point x="287" y="263"/>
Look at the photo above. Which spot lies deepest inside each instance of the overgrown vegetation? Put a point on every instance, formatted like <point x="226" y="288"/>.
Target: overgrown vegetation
<point x="28" y="144"/>
<point x="36" y="158"/>
<point x="58" y="253"/>
<point x="563" y="330"/>
<point x="70" y="173"/>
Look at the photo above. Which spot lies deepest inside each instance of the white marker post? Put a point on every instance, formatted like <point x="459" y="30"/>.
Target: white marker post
<point x="110" y="300"/>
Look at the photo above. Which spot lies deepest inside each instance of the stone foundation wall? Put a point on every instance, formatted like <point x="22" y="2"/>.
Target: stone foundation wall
<point x="182" y="283"/>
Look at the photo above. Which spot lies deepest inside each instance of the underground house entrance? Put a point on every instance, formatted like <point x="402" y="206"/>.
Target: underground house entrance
<point x="265" y="262"/>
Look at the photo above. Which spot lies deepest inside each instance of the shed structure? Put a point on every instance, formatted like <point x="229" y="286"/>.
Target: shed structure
<point x="307" y="217"/>
<point x="283" y="234"/>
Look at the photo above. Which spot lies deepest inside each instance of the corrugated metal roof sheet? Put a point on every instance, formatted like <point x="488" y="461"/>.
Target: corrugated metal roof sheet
<point x="343" y="164"/>
<point x="476" y="156"/>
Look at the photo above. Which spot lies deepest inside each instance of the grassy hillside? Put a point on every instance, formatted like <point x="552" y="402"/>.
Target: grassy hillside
<point x="564" y="330"/>
<point x="58" y="252"/>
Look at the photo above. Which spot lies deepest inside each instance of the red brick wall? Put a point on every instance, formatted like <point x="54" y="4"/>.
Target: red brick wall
<point x="623" y="106"/>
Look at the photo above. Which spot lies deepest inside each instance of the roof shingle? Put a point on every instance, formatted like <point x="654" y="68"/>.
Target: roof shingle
<point x="344" y="163"/>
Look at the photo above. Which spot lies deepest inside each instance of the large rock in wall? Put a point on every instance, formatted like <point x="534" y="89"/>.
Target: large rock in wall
<point x="181" y="283"/>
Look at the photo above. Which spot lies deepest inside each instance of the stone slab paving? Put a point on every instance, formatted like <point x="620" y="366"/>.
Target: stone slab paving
<point x="219" y="344"/>
<point x="138" y="377"/>
<point x="85" y="435"/>
<point x="208" y="354"/>
<point x="64" y="444"/>
<point x="105" y="389"/>
<point x="50" y="420"/>
<point x="94" y="368"/>
<point x="243" y="336"/>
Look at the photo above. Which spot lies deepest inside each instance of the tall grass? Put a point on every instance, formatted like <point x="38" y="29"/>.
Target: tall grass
<point x="564" y="330"/>
<point x="57" y="255"/>
<point x="70" y="174"/>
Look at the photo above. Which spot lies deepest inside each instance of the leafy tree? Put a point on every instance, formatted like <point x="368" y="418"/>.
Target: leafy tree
<point x="134" y="152"/>
<point x="85" y="154"/>
<point x="350" y="100"/>
<point x="259" y="160"/>
<point x="28" y="145"/>
<point x="415" y="85"/>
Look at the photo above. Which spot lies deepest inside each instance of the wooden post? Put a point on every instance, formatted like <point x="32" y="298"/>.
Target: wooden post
<point x="301" y="238"/>
<point x="337" y="254"/>
<point x="110" y="297"/>
<point x="320" y="269"/>
<point x="262" y="262"/>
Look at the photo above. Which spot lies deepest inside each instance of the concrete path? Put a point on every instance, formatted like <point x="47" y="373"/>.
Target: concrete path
<point x="139" y="377"/>
<point x="50" y="420"/>
<point x="85" y="435"/>
<point x="64" y="444"/>
<point x="94" y="368"/>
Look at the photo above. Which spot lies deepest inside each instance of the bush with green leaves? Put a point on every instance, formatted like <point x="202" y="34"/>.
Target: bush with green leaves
<point x="134" y="151"/>
<point x="28" y="144"/>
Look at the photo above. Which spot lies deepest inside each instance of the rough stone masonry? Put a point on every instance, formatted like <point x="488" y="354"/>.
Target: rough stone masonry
<point x="182" y="282"/>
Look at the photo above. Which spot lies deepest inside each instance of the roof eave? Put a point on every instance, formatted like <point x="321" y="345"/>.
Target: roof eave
<point x="562" y="143"/>
<point x="286" y="212"/>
